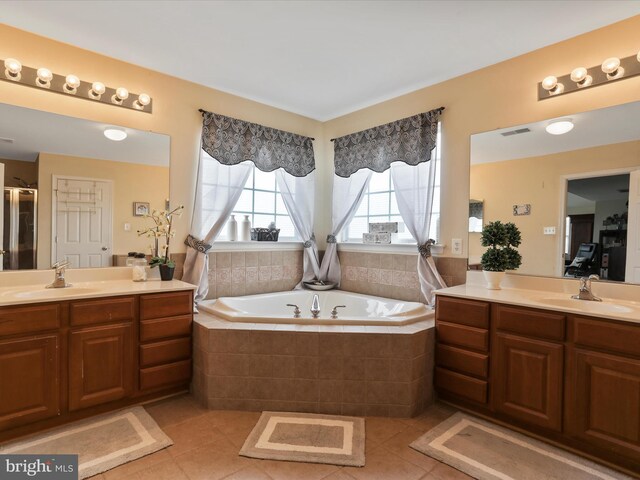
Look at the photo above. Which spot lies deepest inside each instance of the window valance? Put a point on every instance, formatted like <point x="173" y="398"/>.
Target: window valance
<point x="231" y="141"/>
<point x="409" y="140"/>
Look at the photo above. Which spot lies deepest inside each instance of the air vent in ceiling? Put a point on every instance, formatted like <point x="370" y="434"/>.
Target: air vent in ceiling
<point x="517" y="131"/>
<point x="6" y="140"/>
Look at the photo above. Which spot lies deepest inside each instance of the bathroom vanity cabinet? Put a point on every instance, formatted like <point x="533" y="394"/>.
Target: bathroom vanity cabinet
<point x="574" y="380"/>
<point x="65" y="360"/>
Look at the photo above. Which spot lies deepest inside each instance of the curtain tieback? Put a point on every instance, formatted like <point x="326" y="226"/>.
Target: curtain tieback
<point x="425" y="250"/>
<point x="331" y="239"/>
<point x="309" y="243"/>
<point x="199" y="245"/>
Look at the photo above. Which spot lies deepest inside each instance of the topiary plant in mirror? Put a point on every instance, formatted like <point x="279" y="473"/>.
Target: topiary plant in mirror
<point x="502" y="240"/>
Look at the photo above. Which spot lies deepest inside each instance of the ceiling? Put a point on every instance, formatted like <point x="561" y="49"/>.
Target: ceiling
<point x="24" y="133"/>
<point x="596" y="127"/>
<point x="599" y="189"/>
<point x="321" y="59"/>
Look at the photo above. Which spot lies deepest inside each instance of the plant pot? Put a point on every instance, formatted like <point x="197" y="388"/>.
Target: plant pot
<point x="166" y="272"/>
<point x="493" y="279"/>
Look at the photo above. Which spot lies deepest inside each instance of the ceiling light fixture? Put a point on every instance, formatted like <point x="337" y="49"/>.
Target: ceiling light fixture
<point x="72" y="85"/>
<point x="580" y="78"/>
<point x="115" y="134"/>
<point x="559" y="127"/>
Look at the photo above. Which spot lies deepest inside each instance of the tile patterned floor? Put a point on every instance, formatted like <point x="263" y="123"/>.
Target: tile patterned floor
<point x="206" y="445"/>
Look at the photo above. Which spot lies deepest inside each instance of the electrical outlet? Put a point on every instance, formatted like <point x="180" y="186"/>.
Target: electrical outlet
<point x="456" y="246"/>
<point x="127" y="227"/>
<point x="549" y="230"/>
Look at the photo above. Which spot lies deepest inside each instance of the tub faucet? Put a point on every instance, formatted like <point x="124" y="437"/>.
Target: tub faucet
<point x="296" y="310"/>
<point x="315" y="306"/>
<point x="585" y="289"/>
<point x="334" y="312"/>
<point x="60" y="281"/>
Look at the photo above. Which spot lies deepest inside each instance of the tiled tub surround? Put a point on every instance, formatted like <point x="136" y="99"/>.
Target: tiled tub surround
<point x="393" y="275"/>
<point x="350" y="370"/>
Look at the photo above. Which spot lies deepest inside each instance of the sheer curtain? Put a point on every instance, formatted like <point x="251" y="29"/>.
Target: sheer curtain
<point x="217" y="192"/>
<point x="414" y="187"/>
<point x="298" y="195"/>
<point x="348" y="193"/>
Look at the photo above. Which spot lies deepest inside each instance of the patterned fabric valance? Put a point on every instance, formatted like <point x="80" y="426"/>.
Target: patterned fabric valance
<point x="409" y="140"/>
<point x="231" y="141"/>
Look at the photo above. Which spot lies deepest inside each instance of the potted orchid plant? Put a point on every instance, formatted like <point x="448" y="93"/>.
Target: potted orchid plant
<point x="162" y="229"/>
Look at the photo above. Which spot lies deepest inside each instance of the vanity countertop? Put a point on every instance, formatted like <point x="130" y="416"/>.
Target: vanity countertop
<point x="610" y="308"/>
<point x="37" y="293"/>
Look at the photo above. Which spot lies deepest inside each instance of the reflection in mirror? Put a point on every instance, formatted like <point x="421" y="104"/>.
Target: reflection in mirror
<point x="69" y="191"/>
<point x="575" y="197"/>
<point x="476" y="212"/>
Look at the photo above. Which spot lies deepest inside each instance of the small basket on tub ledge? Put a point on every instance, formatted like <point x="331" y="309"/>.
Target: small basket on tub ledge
<point x="265" y="234"/>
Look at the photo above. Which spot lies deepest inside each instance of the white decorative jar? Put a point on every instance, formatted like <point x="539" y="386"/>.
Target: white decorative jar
<point x="494" y="279"/>
<point x="245" y="229"/>
<point x="232" y="229"/>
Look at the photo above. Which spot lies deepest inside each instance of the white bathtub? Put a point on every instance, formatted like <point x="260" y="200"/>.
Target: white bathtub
<point x="359" y="310"/>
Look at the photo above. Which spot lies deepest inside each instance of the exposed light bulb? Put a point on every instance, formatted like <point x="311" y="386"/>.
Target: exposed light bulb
<point x="97" y="89"/>
<point x="12" y="68"/>
<point x="638" y="56"/>
<point x="44" y="77"/>
<point x="560" y="127"/>
<point x="71" y="83"/>
<point x="142" y="101"/>
<point x="551" y="85"/>
<point x="581" y="76"/>
<point x="115" y="134"/>
<point x="611" y="66"/>
<point x="122" y="93"/>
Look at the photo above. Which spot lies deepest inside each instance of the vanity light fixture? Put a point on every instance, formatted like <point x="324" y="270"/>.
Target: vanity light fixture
<point x="560" y="127"/>
<point x="115" y="134"/>
<point x="44" y="78"/>
<point x="12" y="69"/>
<point x="612" y="69"/>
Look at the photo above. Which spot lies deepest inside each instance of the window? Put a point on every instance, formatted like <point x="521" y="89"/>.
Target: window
<point x="379" y="205"/>
<point x="261" y="200"/>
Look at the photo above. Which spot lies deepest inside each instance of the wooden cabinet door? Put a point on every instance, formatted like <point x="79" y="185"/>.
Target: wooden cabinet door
<point x="527" y="376"/>
<point x="29" y="377"/>
<point x="101" y="365"/>
<point x="603" y="401"/>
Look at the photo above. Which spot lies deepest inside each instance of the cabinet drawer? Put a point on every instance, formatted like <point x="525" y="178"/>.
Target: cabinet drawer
<point x="119" y="309"/>
<point x="606" y="335"/>
<point x="165" y="352"/>
<point x="464" y="312"/>
<point x="531" y="323"/>
<point x="30" y="319"/>
<point x="164" y="375"/>
<point x="464" y="361"/>
<point x="463" y="336"/>
<point x="160" y="305"/>
<point x="461" y="385"/>
<point x="162" y="328"/>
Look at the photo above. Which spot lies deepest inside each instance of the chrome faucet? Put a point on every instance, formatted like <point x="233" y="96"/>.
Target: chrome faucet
<point x="296" y="310"/>
<point x="60" y="281"/>
<point x="585" y="289"/>
<point x="315" y="306"/>
<point x="334" y="312"/>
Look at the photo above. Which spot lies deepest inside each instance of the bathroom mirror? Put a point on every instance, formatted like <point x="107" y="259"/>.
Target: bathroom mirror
<point x="70" y="192"/>
<point x="574" y="195"/>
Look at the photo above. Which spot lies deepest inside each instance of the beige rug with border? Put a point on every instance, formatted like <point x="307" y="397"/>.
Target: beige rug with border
<point x="490" y="452"/>
<point x="307" y="437"/>
<point x="101" y="443"/>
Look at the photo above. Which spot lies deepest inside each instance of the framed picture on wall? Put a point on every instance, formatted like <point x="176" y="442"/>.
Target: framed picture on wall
<point x="140" y="209"/>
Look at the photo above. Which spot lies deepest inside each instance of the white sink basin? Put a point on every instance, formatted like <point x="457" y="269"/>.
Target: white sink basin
<point x="586" y="305"/>
<point x="53" y="292"/>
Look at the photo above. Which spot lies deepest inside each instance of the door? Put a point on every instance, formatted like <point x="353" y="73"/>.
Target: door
<point x="527" y="376"/>
<point x="82" y="221"/>
<point x="633" y="230"/>
<point x="603" y="398"/>
<point x="2" y="219"/>
<point x="28" y="380"/>
<point x="100" y="365"/>
<point x="581" y="232"/>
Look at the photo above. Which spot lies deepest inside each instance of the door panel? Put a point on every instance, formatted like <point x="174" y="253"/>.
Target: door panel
<point x="632" y="271"/>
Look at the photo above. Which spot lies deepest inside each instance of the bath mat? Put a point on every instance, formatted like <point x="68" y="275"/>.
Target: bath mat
<point x="489" y="452"/>
<point x="306" y="437"/>
<point x="101" y="443"/>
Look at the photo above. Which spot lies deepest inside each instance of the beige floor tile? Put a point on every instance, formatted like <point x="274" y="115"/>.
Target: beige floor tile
<point x="193" y="434"/>
<point x="399" y="445"/>
<point x="168" y="470"/>
<point x="129" y="469"/>
<point x="175" y="410"/>
<point x="432" y="416"/>
<point x="210" y="463"/>
<point x="236" y="426"/>
<point x="379" y="429"/>
<point x="297" y="470"/>
<point x="445" y="472"/>
<point x="339" y="475"/>
<point x="250" y="473"/>
<point x="384" y="465"/>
